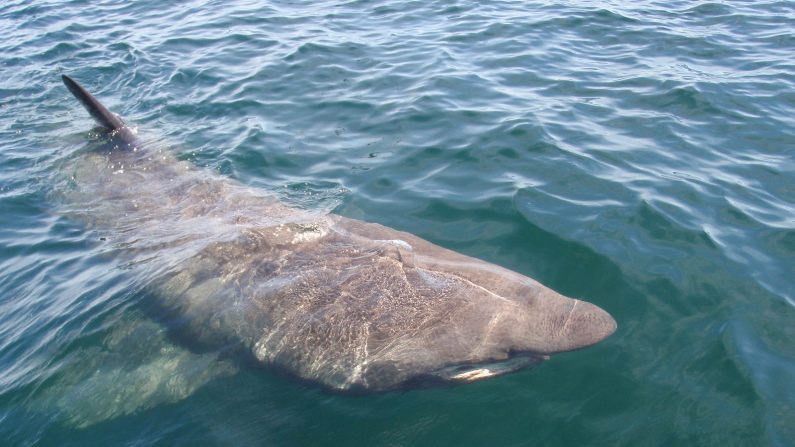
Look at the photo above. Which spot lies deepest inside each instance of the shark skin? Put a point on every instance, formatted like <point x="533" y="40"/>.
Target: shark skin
<point x="350" y="305"/>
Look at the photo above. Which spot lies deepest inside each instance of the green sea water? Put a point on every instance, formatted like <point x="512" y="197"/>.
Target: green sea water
<point x="636" y="155"/>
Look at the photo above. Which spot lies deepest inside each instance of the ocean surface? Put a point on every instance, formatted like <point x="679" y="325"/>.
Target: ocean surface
<point x="636" y="155"/>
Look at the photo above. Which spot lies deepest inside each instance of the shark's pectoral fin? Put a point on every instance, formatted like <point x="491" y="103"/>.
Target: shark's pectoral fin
<point x="110" y="393"/>
<point x="105" y="383"/>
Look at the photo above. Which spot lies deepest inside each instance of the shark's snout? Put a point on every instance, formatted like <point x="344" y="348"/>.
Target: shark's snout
<point x="585" y="325"/>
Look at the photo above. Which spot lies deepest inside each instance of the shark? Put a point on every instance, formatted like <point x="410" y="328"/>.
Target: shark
<point x="350" y="305"/>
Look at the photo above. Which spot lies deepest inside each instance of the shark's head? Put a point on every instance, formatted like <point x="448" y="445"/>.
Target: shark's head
<point x="512" y="322"/>
<point x="469" y="319"/>
<point x="506" y="321"/>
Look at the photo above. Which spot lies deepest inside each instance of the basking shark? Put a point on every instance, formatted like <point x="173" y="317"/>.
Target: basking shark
<point x="347" y="304"/>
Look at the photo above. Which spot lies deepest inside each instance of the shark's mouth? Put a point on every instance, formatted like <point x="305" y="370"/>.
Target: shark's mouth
<point x="470" y="372"/>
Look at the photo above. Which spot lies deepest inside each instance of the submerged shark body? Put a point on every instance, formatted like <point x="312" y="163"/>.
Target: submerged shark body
<point x="351" y="305"/>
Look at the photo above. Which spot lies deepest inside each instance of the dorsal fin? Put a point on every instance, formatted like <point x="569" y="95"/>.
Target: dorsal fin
<point x="102" y="115"/>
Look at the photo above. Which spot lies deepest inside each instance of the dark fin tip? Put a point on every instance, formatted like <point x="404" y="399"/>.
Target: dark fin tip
<point x="102" y="115"/>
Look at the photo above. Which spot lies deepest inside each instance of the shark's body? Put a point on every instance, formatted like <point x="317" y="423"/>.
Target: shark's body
<point x="341" y="302"/>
